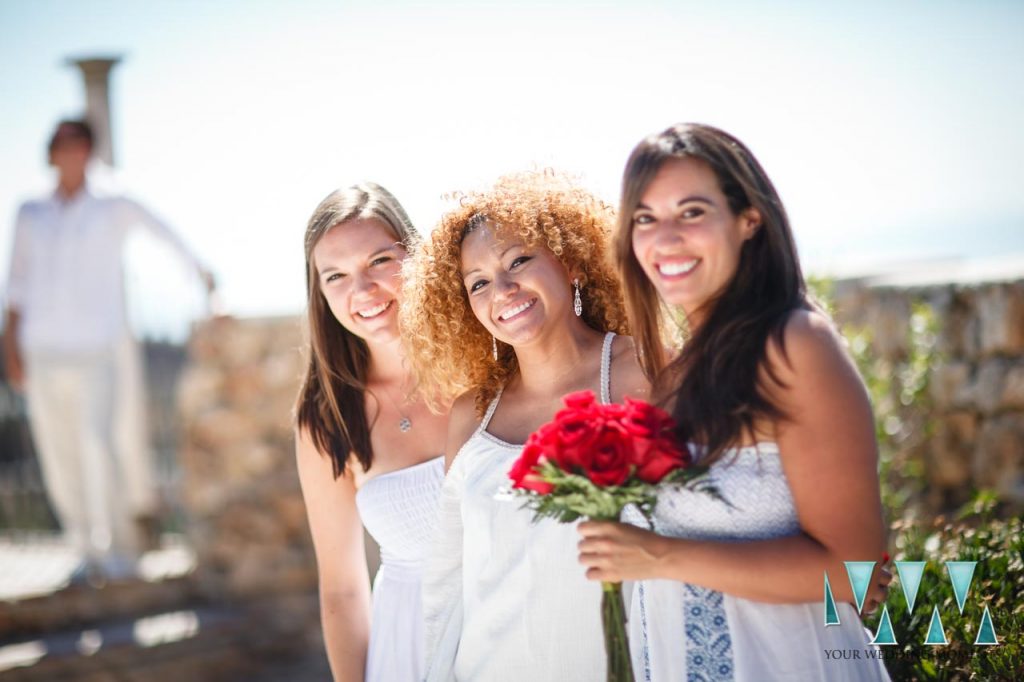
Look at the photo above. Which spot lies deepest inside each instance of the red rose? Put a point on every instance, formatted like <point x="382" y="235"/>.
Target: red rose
<point x="570" y="437"/>
<point x="580" y="400"/>
<point x="608" y="444"/>
<point x="644" y="420"/>
<point x="660" y="458"/>
<point x="610" y="462"/>
<point x="523" y="474"/>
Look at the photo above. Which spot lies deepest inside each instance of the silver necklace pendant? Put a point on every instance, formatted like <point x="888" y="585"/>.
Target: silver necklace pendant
<point x="404" y="425"/>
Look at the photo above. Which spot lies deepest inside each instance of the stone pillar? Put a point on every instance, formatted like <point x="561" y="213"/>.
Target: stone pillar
<point x="96" y="75"/>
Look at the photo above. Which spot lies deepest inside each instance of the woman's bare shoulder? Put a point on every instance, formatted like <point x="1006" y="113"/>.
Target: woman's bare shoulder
<point x="628" y="378"/>
<point x="462" y="422"/>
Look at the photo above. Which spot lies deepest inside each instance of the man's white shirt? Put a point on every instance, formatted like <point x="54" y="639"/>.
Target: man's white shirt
<point x="67" y="275"/>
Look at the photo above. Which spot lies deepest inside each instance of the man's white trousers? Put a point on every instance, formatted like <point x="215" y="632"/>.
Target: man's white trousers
<point x="87" y="417"/>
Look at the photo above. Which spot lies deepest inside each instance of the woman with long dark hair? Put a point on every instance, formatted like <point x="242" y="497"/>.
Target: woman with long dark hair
<point x="765" y="394"/>
<point x="367" y="453"/>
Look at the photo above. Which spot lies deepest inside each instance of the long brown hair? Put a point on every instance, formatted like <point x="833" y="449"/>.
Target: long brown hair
<point x="331" y="404"/>
<point x="714" y="382"/>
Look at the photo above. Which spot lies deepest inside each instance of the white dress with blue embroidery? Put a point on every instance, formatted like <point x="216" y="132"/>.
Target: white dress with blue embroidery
<point x="681" y="632"/>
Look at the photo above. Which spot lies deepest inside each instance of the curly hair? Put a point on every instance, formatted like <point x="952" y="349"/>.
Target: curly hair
<point x="449" y="350"/>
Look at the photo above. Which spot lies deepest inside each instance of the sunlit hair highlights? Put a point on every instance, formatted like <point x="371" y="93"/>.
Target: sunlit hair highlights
<point x="331" y="403"/>
<point x="714" y="381"/>
<point x="449" y="349"/>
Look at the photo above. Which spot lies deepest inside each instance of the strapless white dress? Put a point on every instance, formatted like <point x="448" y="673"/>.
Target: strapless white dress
<point x="686" y="632"/>
<point x="399" y="509"/>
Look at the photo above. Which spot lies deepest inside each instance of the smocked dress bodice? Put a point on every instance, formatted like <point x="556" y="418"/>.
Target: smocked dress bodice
<point x="399" y="509"/>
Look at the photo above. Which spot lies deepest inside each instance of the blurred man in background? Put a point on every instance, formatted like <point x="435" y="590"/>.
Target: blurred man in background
<point x="68" y="345"/>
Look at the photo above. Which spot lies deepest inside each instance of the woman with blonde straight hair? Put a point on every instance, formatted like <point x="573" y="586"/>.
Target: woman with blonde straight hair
<point x="764" y="394"/>
<point x="367" y="453"/>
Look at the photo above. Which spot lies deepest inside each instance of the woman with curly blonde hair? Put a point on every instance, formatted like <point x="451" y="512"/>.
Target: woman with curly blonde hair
<point x="510" y="306"/>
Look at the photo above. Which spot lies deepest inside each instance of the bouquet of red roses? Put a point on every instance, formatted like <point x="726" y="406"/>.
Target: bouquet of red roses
<point x="593" y="460"/>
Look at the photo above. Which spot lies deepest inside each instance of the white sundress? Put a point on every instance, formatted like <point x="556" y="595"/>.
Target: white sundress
<point x="399" y="509"/>
<point x="506" y="598"/>
<point x="686" y="632"/>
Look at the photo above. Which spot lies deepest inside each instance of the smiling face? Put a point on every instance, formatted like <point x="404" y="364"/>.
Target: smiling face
<point x="358" y="264"/>
<point x="685" y="236"/>
<point x="516" y="291"/>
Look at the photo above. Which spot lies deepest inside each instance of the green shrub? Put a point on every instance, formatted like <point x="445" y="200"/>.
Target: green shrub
<point x="903" y="425"/>
<point x="998" y="547"/>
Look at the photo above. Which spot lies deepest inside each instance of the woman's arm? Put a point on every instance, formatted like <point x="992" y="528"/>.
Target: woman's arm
<point x="340" y="558"/>
<point x="830" y="460"/>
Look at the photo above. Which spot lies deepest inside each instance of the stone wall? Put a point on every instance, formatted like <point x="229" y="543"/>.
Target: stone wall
<point x="246" y="518"/>
<point x="975" y="396"/>
<point x="239" y="485"/>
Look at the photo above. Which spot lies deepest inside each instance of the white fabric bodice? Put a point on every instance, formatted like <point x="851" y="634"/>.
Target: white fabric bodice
<point x="506" y="598"/>
<point x="399" y="509"/>
<point x="677" y="629"/>
<point x="760" y="504"/>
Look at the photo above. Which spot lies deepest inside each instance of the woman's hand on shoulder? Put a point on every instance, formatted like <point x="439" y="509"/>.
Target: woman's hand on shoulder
<point x="827" y="437"/>
<point x="462" y="422"/>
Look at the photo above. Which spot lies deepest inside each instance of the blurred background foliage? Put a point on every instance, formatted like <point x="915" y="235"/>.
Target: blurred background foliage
<point x="978" y="531"/>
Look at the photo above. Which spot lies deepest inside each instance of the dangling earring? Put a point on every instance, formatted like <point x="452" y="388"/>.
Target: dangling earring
<point x="494" y="348"/>
<point x="577" y="303"/>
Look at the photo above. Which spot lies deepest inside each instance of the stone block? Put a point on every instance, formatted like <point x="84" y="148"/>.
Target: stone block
<point x="1012" y="397"/>
<point x="245" y="386"/>
<point x="283" y="371"/>
<point x="949" y="451"/>
<point x="951" y="387"/>
<point x="1000" y="310"/>
<point x="988" y="385"/>
<point x="888" y="317"/>
<point x="291" y="510"/>
<point x="959" y="329"/>
<point x="219" y="429"/>
<point x="999" y="456"/>
<point x="201" y="388"/>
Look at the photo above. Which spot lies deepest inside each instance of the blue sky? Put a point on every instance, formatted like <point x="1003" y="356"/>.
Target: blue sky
<point x="892" y="130"/>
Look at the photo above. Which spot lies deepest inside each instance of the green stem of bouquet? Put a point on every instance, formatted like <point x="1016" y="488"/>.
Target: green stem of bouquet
<point x="616" y="643"/>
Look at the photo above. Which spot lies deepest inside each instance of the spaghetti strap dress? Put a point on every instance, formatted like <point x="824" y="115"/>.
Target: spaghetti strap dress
<point x="506" y="598"/>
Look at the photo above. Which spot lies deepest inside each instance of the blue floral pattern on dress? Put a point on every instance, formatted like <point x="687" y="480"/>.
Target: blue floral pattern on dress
<point x="643" y="625"/>
<point x="708" y="644"/>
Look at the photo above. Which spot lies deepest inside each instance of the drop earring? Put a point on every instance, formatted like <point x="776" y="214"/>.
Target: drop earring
<point x="577" y="302"/>
<point x="494" y="348"/>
